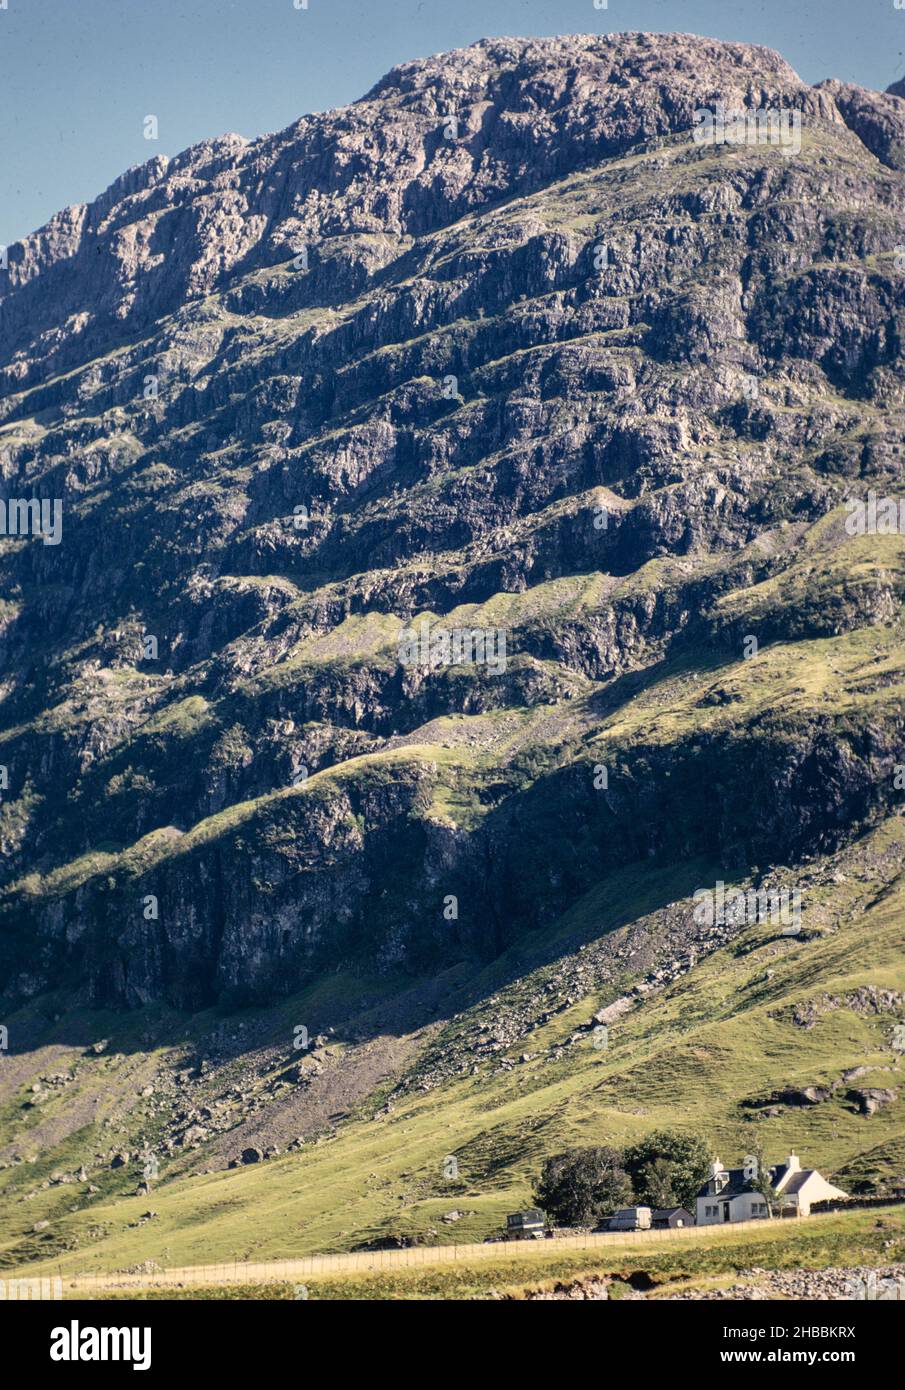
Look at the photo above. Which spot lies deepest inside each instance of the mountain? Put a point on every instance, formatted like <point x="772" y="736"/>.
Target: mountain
<point x="505" y="348"/>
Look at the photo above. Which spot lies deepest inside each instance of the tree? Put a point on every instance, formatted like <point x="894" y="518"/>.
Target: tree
<point x="761" y="1181"/>
<point x="581" y="1186"/>
<point x="668" y="1169"/>
<point x="659" y="1190"/>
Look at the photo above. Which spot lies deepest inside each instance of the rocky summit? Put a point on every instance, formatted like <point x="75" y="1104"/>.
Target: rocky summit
<point x="437" y="548"/>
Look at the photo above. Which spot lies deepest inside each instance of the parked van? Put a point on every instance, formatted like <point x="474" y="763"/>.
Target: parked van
<point x="526" y="1225"/>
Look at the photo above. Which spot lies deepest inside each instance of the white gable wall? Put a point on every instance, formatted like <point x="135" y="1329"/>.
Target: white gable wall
<point x="816" y="1189"/>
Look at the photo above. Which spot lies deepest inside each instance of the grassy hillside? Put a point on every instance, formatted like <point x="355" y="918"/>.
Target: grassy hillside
<point x="761" y="1013"/>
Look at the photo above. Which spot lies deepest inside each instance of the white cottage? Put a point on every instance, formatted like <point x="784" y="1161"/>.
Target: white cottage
<point x="729" y="1195"/>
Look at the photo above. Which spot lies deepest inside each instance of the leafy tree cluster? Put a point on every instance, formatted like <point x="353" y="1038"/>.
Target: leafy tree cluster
<point x="583" y="1186"/>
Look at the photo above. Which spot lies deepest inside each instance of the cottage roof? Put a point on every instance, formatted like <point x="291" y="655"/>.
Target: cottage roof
<point x="736" y="1185"/>
<point x="797" y="1181"/>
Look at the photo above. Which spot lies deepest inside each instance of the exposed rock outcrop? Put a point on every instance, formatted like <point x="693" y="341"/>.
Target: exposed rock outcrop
<point x="502" y="347"/>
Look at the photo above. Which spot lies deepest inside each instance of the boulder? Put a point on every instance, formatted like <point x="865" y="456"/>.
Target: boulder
<point x="871" y="1098"/>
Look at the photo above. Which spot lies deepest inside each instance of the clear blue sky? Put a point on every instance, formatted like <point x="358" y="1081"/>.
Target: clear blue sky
<point x="77" y="77"/>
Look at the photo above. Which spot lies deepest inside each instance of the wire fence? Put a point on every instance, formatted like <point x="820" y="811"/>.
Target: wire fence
<point x="375" y="1261"/>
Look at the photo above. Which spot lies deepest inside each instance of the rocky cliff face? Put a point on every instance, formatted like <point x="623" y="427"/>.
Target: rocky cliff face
<point x="500" y="348"/>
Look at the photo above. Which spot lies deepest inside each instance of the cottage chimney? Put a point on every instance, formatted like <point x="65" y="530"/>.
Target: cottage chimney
<point x="718" y="1176"/>
<point x="792" y="1163"/>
